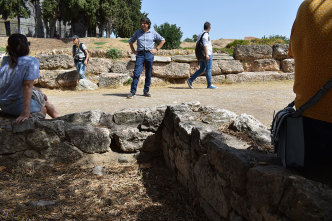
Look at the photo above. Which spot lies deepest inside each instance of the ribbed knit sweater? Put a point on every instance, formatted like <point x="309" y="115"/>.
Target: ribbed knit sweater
<point x="311" y="47"/>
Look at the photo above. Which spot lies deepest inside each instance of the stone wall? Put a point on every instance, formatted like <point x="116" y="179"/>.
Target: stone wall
<point x="251" y="63"/>
<point x="231" y="182"/>
<point x="223" y="159"/>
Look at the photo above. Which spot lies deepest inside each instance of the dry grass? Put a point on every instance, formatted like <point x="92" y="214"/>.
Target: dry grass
<point x="124" y="192"/>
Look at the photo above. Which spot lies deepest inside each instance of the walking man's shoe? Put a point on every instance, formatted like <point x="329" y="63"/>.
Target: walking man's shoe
<point x="212" y="87"/>
<point x="190" y="84"/>
<point x="131" y="96"/>
<point x="146" y="94"/>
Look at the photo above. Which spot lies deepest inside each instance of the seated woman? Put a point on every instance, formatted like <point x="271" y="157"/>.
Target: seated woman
<point x="18" y="96"/>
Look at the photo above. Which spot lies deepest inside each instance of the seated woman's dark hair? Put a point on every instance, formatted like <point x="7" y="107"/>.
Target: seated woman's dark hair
<point x="146" y="20"/>
<point x="18" y="46"/>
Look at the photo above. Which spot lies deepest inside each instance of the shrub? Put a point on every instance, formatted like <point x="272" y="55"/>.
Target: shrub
<point x="113" y="53"/>
<point x="188" y="40"/>
<point x="235" y="43"/>
<point x="171" y="33"/>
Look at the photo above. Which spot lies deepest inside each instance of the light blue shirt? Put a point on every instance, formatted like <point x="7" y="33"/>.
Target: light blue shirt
<point x="11" y="80"/>
<point x="145" y="40"/>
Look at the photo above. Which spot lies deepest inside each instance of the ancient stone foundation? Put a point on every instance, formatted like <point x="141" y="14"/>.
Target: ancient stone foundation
<point x="250" y="63"/>
<point x="223" y="159"/>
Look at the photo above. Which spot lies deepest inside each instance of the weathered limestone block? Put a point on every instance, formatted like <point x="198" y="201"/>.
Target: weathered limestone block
<point x="119" y="66"/>
<point x="252" y="52"/>
<point x="171" y="71"/>
<point x="230" y="164"/>
<point x="157" y="59"/>
<point x="155" y="81"/>
<point x="258" y="76"/>
<point x="184" y="58"/>
<point x="40" y="139"/>
<point x="220" y="117"/>
<point x="129" y="139"/>
<point x="112" y="80"/>
<point x="89" y="139"/>
<point x="132" y="116"/>
<point x="218" y="79"/>
<point x="226" y="67"/>
<point x="12" y="143"/>
<point x="58" y="79"/>
<point x="53" y="62"/>
<point x="64" y="152"/>
<point x="280" y="51"/>
<point x="261" y="65"/>
<point x="288" y="65"/>
<point x="85" y="84"/>
<point x="211" y="187"/>
<point x="89" y="117"/>
<point x="98" y="65"/>
<point x="253" y="128"/>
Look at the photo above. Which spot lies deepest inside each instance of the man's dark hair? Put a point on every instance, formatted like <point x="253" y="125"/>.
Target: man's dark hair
<point x="146" y="20"/>
<point x="18" y="46"/>
<point x="207" y="25"/>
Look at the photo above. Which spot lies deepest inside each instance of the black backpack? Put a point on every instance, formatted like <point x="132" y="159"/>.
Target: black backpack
<point x="81" y="48"/>
<point x="199" y="50"/>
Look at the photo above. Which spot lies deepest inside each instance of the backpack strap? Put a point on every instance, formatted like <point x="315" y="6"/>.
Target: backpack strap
<point x="314" y="100"/>
<point x="201" y="39"/>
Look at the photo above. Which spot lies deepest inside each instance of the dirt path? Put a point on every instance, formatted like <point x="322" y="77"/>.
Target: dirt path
<point x="257" y="99"/>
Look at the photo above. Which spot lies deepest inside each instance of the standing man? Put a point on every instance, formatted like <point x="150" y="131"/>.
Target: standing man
<point x="81" y="56"/>
<point x="144" y="55"/>
<point x="205" y="64"/>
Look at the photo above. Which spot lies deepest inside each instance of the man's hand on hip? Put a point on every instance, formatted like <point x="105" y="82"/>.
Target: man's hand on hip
<point x="154" y="51"/>
<point x="207" y="57"/>
<point x="85" y="63"/>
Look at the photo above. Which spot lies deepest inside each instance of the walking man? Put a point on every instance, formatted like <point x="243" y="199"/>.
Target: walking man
<point x="81" y="56"/>
<point x="205" y="64"/>
<point x="144" y="55"/>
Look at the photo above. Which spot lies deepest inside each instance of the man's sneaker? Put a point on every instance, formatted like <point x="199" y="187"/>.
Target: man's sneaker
<point x="146" y="94"/>
<point x="212" y="87"/>
<point x="131" y="96"/>
<point x="190" y="84"/>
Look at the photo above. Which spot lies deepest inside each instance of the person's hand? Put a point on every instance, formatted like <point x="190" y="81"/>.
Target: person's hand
<point x="134" y="52"/>
<point x="85" y="63"/>
<point x="45" y="97"/>
<point x="23" y="117"/>
<point x="154" y="51"/>
<point x="207" y="57"/>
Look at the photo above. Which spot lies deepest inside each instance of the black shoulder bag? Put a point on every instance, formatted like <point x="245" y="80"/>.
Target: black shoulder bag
<point x="287" y="134"/>
<point x="199" y="49"/>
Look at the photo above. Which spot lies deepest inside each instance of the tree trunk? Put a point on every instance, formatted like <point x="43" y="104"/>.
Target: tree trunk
<point x="18" y="24"/>
<point x="52" y="27"/>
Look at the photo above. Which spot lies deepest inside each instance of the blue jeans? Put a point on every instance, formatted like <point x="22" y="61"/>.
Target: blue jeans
<point x="80" y="67"/>
<point x="142" y="58"/>
<point x="204" y="66"/>
<point x="15" y="108"/>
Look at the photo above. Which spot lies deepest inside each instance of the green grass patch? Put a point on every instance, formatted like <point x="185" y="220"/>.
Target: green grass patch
<point x="271" y="40"/>
<point x="124" y="40"/>
<point x="2" y="49"/>
<point x="100" y="43"/>
<point x="99" y="47"/>
<point x="188" y="48"/>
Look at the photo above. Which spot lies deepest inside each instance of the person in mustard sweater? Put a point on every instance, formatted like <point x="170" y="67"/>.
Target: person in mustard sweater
<point x="311" y="48"/>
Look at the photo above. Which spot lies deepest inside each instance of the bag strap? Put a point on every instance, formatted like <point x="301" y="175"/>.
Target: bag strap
<point x="201" y="39"/>
<point x="314" y="100"/>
